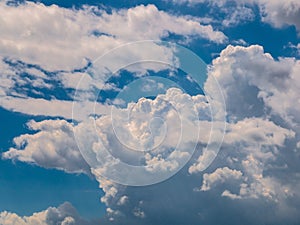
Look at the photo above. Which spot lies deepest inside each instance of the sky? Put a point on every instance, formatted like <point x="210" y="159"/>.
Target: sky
<point x="170" y="112"/>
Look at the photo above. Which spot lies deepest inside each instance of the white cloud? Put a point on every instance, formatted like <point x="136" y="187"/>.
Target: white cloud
<point x="220" y="175"/>
<point x="6" y="78"/>
<point x="52" y="108"/>
<point x="193" y="2"/>
<point x="257" y="89"/>
<point x="141" y="17"/>
<point x="260" y="94"/>
<point x="258" y="132"/>
<point x="238" y="15"/>
<point x="52" y="146"/>
<point x="257" y="145"/>
<point x="123" y="200"/>
<point x="250" y="145"/>
<point x="276" y="12"/>
<point x="13" y="77"/>
<point x="69" y="37"/>
<point x="156" y="136"/>
<point x="252" y="81"/>
<point x="65" y="214"/>
<point x="256" y="140"/>
<point x="280" y="13"/>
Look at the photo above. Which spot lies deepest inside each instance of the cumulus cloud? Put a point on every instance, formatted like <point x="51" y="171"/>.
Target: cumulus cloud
<point x="51" y="146"/>
<point x="261" y="133"/>
<point x="65" y="214"/>
<point x="52" y="108"/>
<point x="280" y="13"/>
<point x="257" y="167"/>
<point x="71" y="37"/>
<point x="277" y="13"/>
<point x="220" y="175"/>
<point x="265" y="82"/>
<point x="158" y="135"/>
<point x="256" y="151"/>
<point x="54" y="146"/>
<point x="258" y="143"/>
<point x="251" y="146"/>
<point x="256" y="156"/>
<point x="69" y="41"/>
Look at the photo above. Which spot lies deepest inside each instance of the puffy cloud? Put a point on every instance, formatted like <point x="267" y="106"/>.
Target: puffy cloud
<point x="257" y="131"/>
<point x="70" y="37"/>
<point x="280" y="13"/>
<point x="75" y="37"/>
<point x="252" y="81"/>
<point x="261" y="95"/>
<point x="220" y="175"/>
<point x="52" y="146"/>
<point x="258" y="144"/>
<point x="233" y="12"/>
<point x="250" y="172"/>
<point x="155" y="137"/>
<point x="52" y="108"/>
<point x="139" y="18"/>
<point x="65" y="214"/>
<point x="277" y="13"/>
<point x="261" y="132"/>
<point x="251" y="146"/>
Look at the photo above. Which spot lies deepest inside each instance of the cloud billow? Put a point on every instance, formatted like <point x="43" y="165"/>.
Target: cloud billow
<point x="257" y="168"/>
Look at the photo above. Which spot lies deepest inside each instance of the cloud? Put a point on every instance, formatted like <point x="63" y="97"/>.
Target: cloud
<point x="51" y="146"/>
<point x="277" y="13"/>
<point x="257" y="168"/>
<point x="193" y="2"/>
<point x="224" y="13"/>
<point x="253" y="82"/>
<point x="250" y="147"/>
<point x="237" y="15"/>
<point x="256" y="156"/>
<point x="159" y="136"/>
<point x="34" y="74"/>
<point x="52" y="108"/>
<point x="220" y="175"/>
<point x="261" y="133"/>
<point x="65" y="214"/>
<point x="69" y="37"/>
<point x="249" y="173"/>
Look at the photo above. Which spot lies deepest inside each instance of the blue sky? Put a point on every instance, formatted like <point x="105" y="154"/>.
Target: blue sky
<point x="52" y="161"/>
